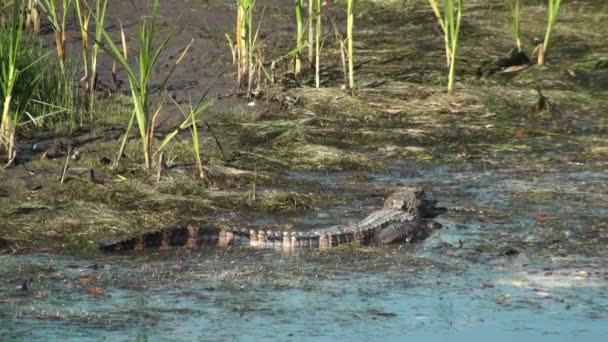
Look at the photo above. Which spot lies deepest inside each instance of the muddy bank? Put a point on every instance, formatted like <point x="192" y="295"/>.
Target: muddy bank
<point x="295" y="142"/>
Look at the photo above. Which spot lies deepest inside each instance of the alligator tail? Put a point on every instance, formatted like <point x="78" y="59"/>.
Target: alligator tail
<point x="192" y="237"/>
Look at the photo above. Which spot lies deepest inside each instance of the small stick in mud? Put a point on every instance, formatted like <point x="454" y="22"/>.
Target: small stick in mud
<point x="161" y="163"/>
<point x="66" y="165"/>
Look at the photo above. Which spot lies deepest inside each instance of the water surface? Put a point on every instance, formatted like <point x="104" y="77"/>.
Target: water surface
<point x="526" y="257"/>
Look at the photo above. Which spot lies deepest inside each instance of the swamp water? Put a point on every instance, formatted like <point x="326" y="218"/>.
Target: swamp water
<point x="527" y="256"/>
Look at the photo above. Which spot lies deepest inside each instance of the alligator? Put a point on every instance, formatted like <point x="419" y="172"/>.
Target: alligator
<point x="406" y="216"/>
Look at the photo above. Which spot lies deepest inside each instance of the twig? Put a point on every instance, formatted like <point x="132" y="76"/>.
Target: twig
<point x="254" y="190"/>
<point x="161" y="162"/>
<point x="66" y="165"/>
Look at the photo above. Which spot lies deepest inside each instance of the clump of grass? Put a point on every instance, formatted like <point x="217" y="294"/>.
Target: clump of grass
<point x="32" y="16"/>
<point x="299" y="36"/>
<point x="317" y="43"/>
<point x="311" y="31"/>
<point x="83" y="21"/>
<point x="450" y="25"/>
<point x="139" y="80"/>
<point x="513" y="6"/>
<point x="246" y="51"/>
<point x="552" y="12"/>
<point x="100" y="14"/>
<point x="34" y="93"/>
<point x="58" y="21"/>
<point x="8" y="78"/>
<point x="191" y="123"/>
<point x="350" y="22"/>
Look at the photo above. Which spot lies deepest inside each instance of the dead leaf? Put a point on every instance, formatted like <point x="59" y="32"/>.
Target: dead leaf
<point x="514" y="69"/>
<point x="95" y="291"/>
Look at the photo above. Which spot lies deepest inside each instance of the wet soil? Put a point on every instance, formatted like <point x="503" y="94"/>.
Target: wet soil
<point x="540" y="118"/>
<point x="520" y="158"/>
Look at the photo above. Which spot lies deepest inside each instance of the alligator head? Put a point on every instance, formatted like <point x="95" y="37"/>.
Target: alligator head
<point x="415" y="202"/>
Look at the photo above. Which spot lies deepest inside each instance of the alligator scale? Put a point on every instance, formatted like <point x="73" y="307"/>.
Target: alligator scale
<point x="407" y="216"/>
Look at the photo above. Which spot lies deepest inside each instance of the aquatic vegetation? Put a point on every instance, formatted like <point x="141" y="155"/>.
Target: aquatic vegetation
<point x="8" y="79"/>
<point x="299" y="37"/>
<point x="41" y="95"/>
<point x="513" y="6"/>
<point x="350" y="22"/>
<point x="32" y="16"/>
<point x="139" y="80"/>
<point x="450" y="25"/>
<point x="247" y="53"/>
<point x="311" y="31"/>
<point x="552" y="12"/>
<point x="191" y="123"/>
<point x="58" y="21"/>
<point x="317" y="43"/>
<point x="100" y="14"/>
<point x="83" y="23"/>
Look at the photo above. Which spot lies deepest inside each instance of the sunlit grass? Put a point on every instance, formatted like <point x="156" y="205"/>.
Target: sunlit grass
<point x="191" y="121"/>
<point x="100" y="15"/>
<point x="513" y="6"/>
<point x="83" y="16"/>
<point x="311" y="31"/>
<point x="317" y="43"/>
<point x="552" y="12"/>
<point x="299" y="36"/>
<point x="450" y="24"/>
<point x="350" y="21"/>
<point x="247" y="51"/>
<point x="57" y="16"/>
<point x="139" y="81"/>
<point x="8" y="78"/>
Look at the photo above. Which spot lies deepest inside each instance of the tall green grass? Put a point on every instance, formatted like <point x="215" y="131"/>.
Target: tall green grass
<point x="244" y="41"/>
<point x="350" y="22"/>
<point x="139" y="77"/>
<point x="449" y="21"/>
<point x="311" y="31"/>
<point x="83" y="14"/>
<point x="33" y="93"/>
<point x="9" y="50"/>
<point x="513" y="6"/>
<point x="139" y="80"/>
<point x="317" y="43"/>
<point x="191" y="120"/>
<point x="299" y="36"/>
<point x="247" y="52"/>
<point x="57" y="16"/>
<point x="552" y="12"/>
<point x="99" y="14"/>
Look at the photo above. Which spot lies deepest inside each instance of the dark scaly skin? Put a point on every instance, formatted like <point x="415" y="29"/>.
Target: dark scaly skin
<point x="407" y="216"/>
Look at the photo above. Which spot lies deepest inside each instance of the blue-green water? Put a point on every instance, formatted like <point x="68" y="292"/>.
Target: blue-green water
<point x="533" y="264"/>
